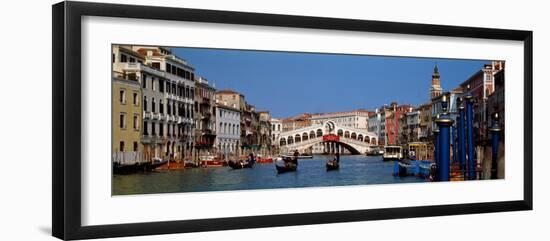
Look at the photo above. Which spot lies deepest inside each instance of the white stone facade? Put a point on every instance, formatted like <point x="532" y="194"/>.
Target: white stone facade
<point x="228" y="130"/>
<point x="355" y="119"/>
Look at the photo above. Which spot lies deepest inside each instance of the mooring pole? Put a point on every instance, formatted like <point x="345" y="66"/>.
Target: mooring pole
<point x="470" y="128"/>
<point x="495" y="139"/>
<point x="444" y="123"/>
<point x="461" y="137"/>
<point x="436" y="153"/>
<point x="454" y="143"/>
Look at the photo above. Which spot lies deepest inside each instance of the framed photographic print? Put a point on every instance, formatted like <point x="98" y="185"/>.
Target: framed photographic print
<point x="170" y="120"/>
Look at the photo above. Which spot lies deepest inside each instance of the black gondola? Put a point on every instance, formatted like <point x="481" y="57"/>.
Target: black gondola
<point x="240" y="164"/>
<point x="119" y="168"/>
<point x="286" y="168"/>
<point x="332" y="165"/>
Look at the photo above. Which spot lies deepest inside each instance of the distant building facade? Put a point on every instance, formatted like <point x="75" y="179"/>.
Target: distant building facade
<point x="296" y="122"/>
<point x="228" y="129"/>
<point x="356" y="119"/>
<point x="205" y="120"/>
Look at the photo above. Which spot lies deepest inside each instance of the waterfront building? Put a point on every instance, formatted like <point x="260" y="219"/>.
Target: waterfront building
<point x="168" y="98"/>
<point x="250" y="133"/>
<point x="374" y="123"/>
<point x="482" y="85"/>
<point x="276" y="129"/>
<point x="425" y="124"/>
<point x="228" y="129"/>
<point x="411" y="126"/>
<point x="205" y="122"/>
<point x="236" y="100"/>
<point x="265" y="142"/>
<point x="231" y="98"/>
<point x="357" y="119"/>
<point x="296" y="122"/>
<point x="495" y="101"/>
<point x="126" y="114"/>
<point x="131" y="65"/>
<point x="392" y="122"/>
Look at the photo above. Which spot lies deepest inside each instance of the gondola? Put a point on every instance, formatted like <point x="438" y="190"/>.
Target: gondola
<point x="119" y="168"/>
<point x="298" y="157"/>
<point x="240" y="164"/>
<point x="332" y="165"/>
<point x="286" y="168"/>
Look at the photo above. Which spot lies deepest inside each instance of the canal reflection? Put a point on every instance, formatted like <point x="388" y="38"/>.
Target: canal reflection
<point x="354" y="170"/>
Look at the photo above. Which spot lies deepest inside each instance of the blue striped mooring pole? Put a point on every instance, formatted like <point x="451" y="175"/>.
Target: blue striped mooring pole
<point x="461" y="137"/>
<point x="454" y="143"/>
<point x="470" y="128"/>
<point x="436" y="153"/>
<point x="495" y="139"/>
<point x="444" y="123"/>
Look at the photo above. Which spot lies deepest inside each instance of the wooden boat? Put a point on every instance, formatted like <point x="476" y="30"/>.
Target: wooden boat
<point x="332" y="165"/>
<point x="392" y="153"/>
<point x="240" y="164"/>
<point x="299" y="157"/>
<point x="190" y="164"/>
<point x="122" y="168"/>
<point x="286" y="168"/>
<point x="210" y="161"/>
<point x="375" y="152"/>
<point x="265" y="160"/>
<point x="155" y="164"/>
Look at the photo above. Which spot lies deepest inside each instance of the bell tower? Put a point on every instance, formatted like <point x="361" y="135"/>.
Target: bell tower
<point x="435" y="89"/>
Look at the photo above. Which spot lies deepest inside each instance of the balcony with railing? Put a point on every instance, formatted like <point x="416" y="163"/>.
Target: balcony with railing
<point x="156" y="116"/>
<point x="147" y="115"/>
<point x="140" y="67"/>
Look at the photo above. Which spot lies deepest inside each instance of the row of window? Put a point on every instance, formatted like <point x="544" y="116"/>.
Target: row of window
<point x="175" y="70"/>
<point x="228" y="128"/>
<point x="182" y="110"/>
<point x="278" y="127"/>
<point x="160" y="85"/>
<point x="122" y="147"/>
<point x="229" y="114"/>
<point x="122" y="97"/>
<point x="173" y="130"/>
<point x="127" y="58"/>
<point x="339" y="120"/>
<point x="122" y="121"/>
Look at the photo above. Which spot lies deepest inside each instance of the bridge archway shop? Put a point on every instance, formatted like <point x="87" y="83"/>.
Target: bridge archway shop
<point x="355" y="141"/>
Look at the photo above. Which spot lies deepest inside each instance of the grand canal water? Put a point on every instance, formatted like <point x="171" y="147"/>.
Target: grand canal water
<point x="354" y="170"/>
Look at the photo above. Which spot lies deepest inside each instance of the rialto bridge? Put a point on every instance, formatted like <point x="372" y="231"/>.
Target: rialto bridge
<point x="331" y="137"/>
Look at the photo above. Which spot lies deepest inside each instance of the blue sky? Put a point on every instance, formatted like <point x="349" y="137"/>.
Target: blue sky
<point x="287" y="83"/>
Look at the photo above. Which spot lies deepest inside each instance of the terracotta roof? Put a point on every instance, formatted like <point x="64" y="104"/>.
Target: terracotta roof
<point x="227" y="91"/>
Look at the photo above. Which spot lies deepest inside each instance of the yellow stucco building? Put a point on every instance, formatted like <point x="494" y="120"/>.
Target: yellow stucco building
<point x="126" y="107"/>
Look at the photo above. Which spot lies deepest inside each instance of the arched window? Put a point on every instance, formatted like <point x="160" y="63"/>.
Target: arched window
<point x="353" y="135"/>
<point x="311" y="134"/>
<point x="290" y="140"/>
<point x="304" y="136"/>
<point x="282" y="141"/>
<point x="319" y="132"/>
<point x="373" y="141"/>
<point x="340" y="132"/>
<point x="346" y="134"/>
<point x="297" y="138"/>
<point x="360" y="137"/>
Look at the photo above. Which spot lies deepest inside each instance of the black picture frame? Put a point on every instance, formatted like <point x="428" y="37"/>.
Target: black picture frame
<point x="66" y="158"/>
